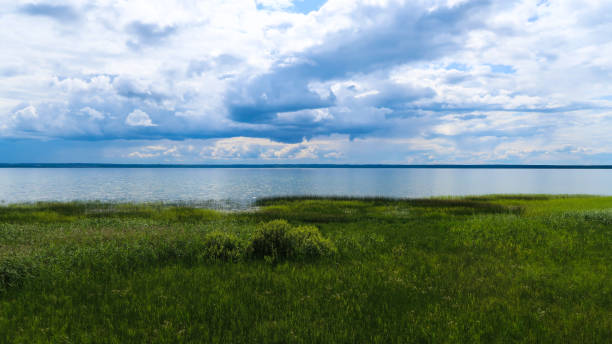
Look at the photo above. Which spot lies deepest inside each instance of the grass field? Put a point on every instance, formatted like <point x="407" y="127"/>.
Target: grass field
<point x="524" y="268"/>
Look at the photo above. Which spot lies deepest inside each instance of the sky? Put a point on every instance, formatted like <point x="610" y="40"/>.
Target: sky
<point x="301" y="81"/>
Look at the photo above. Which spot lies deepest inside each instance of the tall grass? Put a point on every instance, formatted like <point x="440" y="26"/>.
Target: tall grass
<point x="519" y="268"/>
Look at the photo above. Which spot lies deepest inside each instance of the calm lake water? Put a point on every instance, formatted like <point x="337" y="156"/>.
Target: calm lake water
<point x="240" y="186"/>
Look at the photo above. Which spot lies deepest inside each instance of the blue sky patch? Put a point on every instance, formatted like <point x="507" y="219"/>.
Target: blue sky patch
<point x="457" y="66"/>
<point x="503" y="69"/>
<point x="307" y="6"/>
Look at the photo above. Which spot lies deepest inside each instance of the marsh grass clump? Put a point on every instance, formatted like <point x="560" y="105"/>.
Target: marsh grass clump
<point x="14" y="272"/>
<point x="307" y="242"/>
<point x="222" y="246"/>
<point x="271" y="239"/>
<point x="277" y="239"/>
<point x="600" y="216"/>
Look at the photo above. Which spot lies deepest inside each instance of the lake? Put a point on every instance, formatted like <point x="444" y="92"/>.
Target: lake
<point x="238" y="187"/>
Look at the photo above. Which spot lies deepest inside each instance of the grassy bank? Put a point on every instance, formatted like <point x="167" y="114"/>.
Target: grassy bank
<point x="533" y="268"/>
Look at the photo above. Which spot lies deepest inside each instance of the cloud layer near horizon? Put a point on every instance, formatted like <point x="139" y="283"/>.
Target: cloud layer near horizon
<point x="372" y="81"/>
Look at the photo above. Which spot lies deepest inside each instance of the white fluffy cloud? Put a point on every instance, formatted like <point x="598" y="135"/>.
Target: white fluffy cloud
<point x="139" y="118"/>
<point x="236" y="149"/>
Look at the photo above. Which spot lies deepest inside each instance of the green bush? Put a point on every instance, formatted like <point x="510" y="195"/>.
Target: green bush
<point x="279" y="240"/>
<point x="222" y="246"/>
<point x="307" y="242"/>
<point x="271" y="239"/>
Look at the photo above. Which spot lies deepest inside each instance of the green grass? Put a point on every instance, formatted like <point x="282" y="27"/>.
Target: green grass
<point x="498" y="268"/>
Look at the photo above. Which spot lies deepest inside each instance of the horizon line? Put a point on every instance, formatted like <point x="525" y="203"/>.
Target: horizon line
<point x="242" y="165"/>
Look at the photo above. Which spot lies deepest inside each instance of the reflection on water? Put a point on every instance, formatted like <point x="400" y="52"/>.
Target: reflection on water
<point x="234" y="186"/>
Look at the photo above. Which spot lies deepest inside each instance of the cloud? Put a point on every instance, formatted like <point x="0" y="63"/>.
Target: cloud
<point x="241" y="148"/>
<point x="397" y="35"/>
<point x="232" y="150"/>
<point x="309" y="82"/>
<point x="28" y="112"/>
<point x="156" y="151"/>
<point x="393" y="80"/>
<point x="274" y="4"/>
<point x="61" y="13"/>
<point x="148" y="34"/>
<point x="93" y="113"/>
<point x="139" y="118"/>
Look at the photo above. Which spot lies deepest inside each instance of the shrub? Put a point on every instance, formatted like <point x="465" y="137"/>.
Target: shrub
<point x="279" y="240"/>
<point x="222" y="246"/>
<point x="270" y="239"/>
<point x="307" y="242"/>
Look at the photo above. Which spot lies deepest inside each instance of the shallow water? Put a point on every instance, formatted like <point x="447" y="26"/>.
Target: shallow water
<point x="243" y="185"/>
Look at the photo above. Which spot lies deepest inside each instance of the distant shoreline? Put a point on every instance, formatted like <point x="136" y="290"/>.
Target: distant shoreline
<point x="419" y="166"/>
